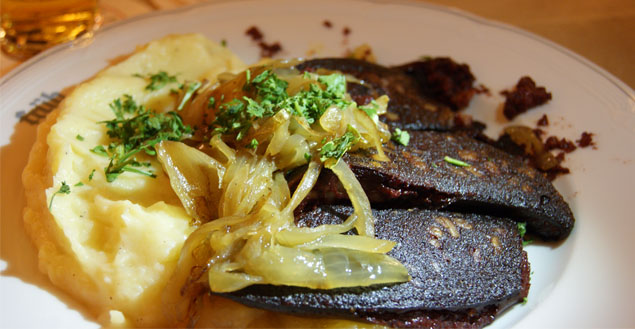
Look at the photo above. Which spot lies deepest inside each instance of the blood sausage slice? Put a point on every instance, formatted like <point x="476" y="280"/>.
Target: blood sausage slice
<point x="465" y="269"/>
<point x="484" y="180"/>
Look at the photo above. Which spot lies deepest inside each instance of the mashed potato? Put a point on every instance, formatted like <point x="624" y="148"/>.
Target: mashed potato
<point x="113" y="245"/>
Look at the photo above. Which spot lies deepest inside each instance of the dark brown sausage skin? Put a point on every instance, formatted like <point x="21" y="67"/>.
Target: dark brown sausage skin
<point x="465" y="270"/>
<point x="417" y="175"/>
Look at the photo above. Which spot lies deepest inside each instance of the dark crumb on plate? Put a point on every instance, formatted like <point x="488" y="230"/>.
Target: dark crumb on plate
<point x="346" y="31"/>
<point x="556" y="171"/>
<point x="586" y="140"/>
<point x="564" y="144"/>
<point x="254" y="33"/>
<point x="524" y="96"/>
<point x="327" y="24"/>
<point x="543" y="121"/>
<point x="553" y="143"/>
<point x="269" y="50"/>
<point x="266" y="49"/>
<point x="560" y="157"/>
<point x="462" y="120"/>
<point x="482" y="89"/>
<point x="527" y="143"/>
<point x="539" y="133"/>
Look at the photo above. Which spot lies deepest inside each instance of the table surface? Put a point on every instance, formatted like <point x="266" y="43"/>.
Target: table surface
<point x="603" y="31"/>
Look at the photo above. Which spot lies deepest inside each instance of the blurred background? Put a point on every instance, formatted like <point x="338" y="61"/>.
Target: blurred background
<point x="603" y="31"/>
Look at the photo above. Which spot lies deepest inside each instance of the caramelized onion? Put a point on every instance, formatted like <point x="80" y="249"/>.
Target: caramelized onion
<point x="533" y="146"/>
<point x="246" y="183"/>
<point x="195" y="177"/>
<point x="365" y="223"/>
<point x="306" y="184"/>
<point x="525" y="137"/>
<point x="359" y="242"/>
<point x="326" y="268"/>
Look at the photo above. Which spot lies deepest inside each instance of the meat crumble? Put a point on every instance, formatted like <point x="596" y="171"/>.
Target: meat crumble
<point x="444" y="80"/>
<point x="586" y="140"/>
<point x="564" y="144"/>
<point x="526" y="95"/>
<point x="266" y="49"/>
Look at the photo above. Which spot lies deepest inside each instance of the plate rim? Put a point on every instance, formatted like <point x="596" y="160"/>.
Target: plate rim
<point x="616" y="82"/>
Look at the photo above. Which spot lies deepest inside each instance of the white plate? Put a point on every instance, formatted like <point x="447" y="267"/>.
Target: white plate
<point x="587" y="281"/>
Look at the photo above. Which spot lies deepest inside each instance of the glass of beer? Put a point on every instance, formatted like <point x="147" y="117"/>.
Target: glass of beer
<point x="30" y="26"/>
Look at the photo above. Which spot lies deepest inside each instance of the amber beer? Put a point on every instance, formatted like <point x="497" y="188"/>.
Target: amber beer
<point x="30" y="26"/>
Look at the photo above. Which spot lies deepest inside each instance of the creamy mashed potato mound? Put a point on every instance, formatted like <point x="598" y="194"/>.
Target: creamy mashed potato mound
<point x="113" y="245"/>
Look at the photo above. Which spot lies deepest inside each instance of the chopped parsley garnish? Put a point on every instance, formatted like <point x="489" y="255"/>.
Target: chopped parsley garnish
<point x="223" y="43"/>
<point x="312" y="103"/>
<point x="232" y="118"/>
<point x="92" y="173"/>
<point x="237" y="115"/>
<point x="247" y="76"/>
<point x="269" y="90"/>
<point x="253" y="144"/>
<point x="158" y="80"/>
<point x="336" y="148"/>
<point x="524" y="301"/>
<point x="79" y="184"/>
<point x="335" y="84"/>
<point x="192" y="87"/>
<point x="522" y="230"/>
<point x="135" y="129"/>
<point x="79" y="137"/>
<point x="455" y="162"/>
<point x="308" y="157"/>
<point x="270" y="96"/>
<point x="211" y="102"/>
<point x="99" y="150"/>
<point x="64" y="189"/>
<point x="400" y="136"/>
<point x="371" y="109"/>
<point x="256" y="110"/>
